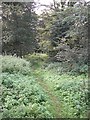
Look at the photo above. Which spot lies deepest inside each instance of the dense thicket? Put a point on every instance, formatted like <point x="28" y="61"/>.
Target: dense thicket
<point x="60" y="32"/>
<point x="64" y="34"/>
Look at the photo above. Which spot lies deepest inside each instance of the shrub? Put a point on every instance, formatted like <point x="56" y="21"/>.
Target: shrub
<point x="13" y="64"/>
<point x="23" y="97"/>
<point x="65" y="67"/>
<point x="73" y="94"/>
<point x="37" y="58"/>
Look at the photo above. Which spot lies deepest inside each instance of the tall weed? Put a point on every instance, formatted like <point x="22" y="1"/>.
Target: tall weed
<point x="13" y="64"/>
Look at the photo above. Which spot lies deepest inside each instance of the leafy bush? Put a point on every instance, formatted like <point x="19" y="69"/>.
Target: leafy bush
<point x="23" y="97"/>
<point x="13" y="64"/>
<point x="37" y="58"/>
<point x="65" y="67"/>
<point x="72" y="91"/>
<point x="74" y="96"/>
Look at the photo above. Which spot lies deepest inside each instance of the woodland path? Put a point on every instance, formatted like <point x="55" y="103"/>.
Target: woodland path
<point x="54" y="100"/>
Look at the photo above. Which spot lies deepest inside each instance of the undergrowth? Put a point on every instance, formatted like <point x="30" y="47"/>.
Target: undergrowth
<point x="72" y="90"/>
<point x="22" y="96"/>
<point x="13" y="64"/>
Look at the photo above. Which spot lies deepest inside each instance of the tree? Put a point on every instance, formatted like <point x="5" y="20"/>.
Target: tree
<point x="69" y="35"/>
<point x="62" y="32"/>
<point x="19" y="28"/>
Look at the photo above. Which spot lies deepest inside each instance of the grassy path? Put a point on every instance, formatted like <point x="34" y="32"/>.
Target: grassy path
<point x="54" y="100"/>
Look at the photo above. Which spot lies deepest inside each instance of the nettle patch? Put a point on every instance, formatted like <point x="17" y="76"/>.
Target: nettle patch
<point x="74" y="96"/>
<point x="72" y="91"/>
<point x="13" y="64"/>
<point x="22" y="97"/>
